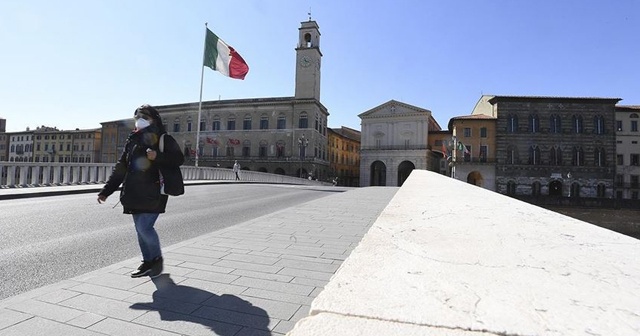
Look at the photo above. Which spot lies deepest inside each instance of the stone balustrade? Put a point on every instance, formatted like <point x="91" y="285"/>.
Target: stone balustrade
<point x="449" y="258"/>
<point x="40" y="174"/>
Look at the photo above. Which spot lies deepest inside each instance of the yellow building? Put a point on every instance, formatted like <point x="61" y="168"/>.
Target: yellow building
<point x="53" y="145"/>
<point x="344" y="155"/>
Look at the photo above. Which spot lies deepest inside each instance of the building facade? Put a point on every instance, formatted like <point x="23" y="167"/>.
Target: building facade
<point x="473" y="149"/>
<point x="53" y="145"/>
<point x="344" y="156"/>
<point x="394" y="142"/>
<point x="20" y="146"/>
<point x="282" y="135"/>
<point x="555" y="146"/>
<point x="627" y="152"/>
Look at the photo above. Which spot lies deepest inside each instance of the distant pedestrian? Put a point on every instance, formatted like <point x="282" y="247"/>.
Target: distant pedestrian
<point x="236" y="169"/>
<point x="138" y="172"/>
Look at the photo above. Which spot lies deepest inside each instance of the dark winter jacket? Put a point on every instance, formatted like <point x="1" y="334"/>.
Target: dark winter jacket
<point x="139" y="176"/>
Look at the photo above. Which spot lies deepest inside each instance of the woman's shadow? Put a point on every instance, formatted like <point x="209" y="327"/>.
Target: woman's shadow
<point x="224" y="314"/>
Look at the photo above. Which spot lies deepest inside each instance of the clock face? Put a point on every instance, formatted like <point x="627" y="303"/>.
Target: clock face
<point x="305" y="61"/>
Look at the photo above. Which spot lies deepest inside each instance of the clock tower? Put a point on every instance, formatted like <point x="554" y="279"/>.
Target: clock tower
<point x="308" y="58"/>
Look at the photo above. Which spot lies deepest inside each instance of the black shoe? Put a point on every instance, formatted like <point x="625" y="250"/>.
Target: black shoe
<point x="143" y="270"/>
<point x="156" y="267"/>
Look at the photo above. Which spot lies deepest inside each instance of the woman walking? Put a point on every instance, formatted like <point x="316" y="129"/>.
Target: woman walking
<point x="138" y="170"/>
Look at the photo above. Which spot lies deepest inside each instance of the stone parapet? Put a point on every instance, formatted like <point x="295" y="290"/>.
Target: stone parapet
<point x="448" y="258"/>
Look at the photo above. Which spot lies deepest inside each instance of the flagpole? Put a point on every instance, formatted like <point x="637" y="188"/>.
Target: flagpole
<point x="200" y="104"/>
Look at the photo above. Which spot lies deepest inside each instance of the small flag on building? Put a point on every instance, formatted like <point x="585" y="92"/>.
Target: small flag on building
<point x="223" y="58"/>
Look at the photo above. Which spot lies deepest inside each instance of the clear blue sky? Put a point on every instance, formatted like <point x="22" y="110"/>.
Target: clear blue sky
<point x="74" y="64"/>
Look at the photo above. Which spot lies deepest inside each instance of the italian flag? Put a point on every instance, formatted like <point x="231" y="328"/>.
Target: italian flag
<point x="221" y="57"/>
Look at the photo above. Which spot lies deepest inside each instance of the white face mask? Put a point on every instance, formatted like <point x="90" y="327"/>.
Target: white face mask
<point x="142" y="123"/>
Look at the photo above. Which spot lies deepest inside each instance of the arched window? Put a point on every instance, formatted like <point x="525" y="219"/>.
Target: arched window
<point x="246" y="123"/>
<point x="555" y="156"/>
<point x="577" y="158"/>
<point x="246" y="148"/>
<point x="262" y="150"/>
<point x="512" y="155"/>
<point x="555" y="124"/>
<point x="303" y="122"/>
<point x="576" y="124"/>
<point x="599" y="157"/>
<point x="534" y="155"/>
<point x="511" y="188"/>
<point x="512" y="123"/>
<point x="282" y="122"/>
<point x="536" y="187"/>
<point x="216" y="123"/>
<point x="534" y="123"/>
<point x="264" y="122"/>
<point x="598" y="124"/>
<point x="231" y="123"/>
<point x="575" y="189"/>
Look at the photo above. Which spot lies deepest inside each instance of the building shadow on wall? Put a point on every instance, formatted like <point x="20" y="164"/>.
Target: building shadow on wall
<point x="225" y="315"/>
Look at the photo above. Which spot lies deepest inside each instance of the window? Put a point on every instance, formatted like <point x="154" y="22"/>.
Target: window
<point x="231" y="124"/>
<point x="280" y="149"/>
<point x="189" y="127"/>
<point x="634" y="195"/>
<point x="619" y="125"/>
<point x="176" y="126"/>
<point x="303" y="122"/>
<point x="483" y="132"/>
<point x="262" y="150"/>
<point x="264" y="122"/>
<point x="634" y="181"/>
<point x="576" y="124"/>
<point x="620" y="159"/>
<point x="214" y="151"/>
<point x="216" y="124"/>
<point x="601" y="190"/>
<point x="534" y="155"/>
<point x="619" y="180"/>
<point x="511" y="188"/>
<point x="555" y="156"/>
<point x="467" y="132"/>
<point x="534" y="123"/>
<point x="578" y="156"/>
<point x="230" y="151"/>
<point x="511" y="155"/>
<point x="575" y="190"/>
<point x="483" y="153"/>
<point x="599" y="157"/>
<point x="635" y="159"/>
<point x="535" y="188"/>
<point x="512" y="123"/>
<point x="246" y="123"/>
<point x="598" y="124"/>
<point x="467" y="153"/>
<point x="634" y="125"/>
<point x="282" y="122"/>
<point x="246" y="151"/>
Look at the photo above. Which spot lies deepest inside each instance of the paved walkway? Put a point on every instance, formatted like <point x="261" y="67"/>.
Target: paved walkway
<point x="256" y="278"/>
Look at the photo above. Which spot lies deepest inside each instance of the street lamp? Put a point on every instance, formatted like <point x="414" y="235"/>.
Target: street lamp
<point x="302" y="144"/>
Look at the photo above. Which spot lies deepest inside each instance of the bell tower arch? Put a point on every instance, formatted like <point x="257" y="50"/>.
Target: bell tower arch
<point x="308" y="61"/>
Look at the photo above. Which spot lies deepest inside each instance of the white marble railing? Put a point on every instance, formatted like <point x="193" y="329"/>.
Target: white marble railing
<point x="40" y="174"/>
<point x="449" y="258"/>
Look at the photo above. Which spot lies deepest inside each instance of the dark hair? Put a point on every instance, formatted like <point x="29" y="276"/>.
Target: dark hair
<point x="155" y="115"/>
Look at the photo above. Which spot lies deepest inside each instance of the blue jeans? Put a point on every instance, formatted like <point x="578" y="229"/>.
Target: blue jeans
<point x="147" y="235"/>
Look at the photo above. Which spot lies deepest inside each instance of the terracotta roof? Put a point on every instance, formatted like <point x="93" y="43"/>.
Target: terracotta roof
<point x="628" y="107"/>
